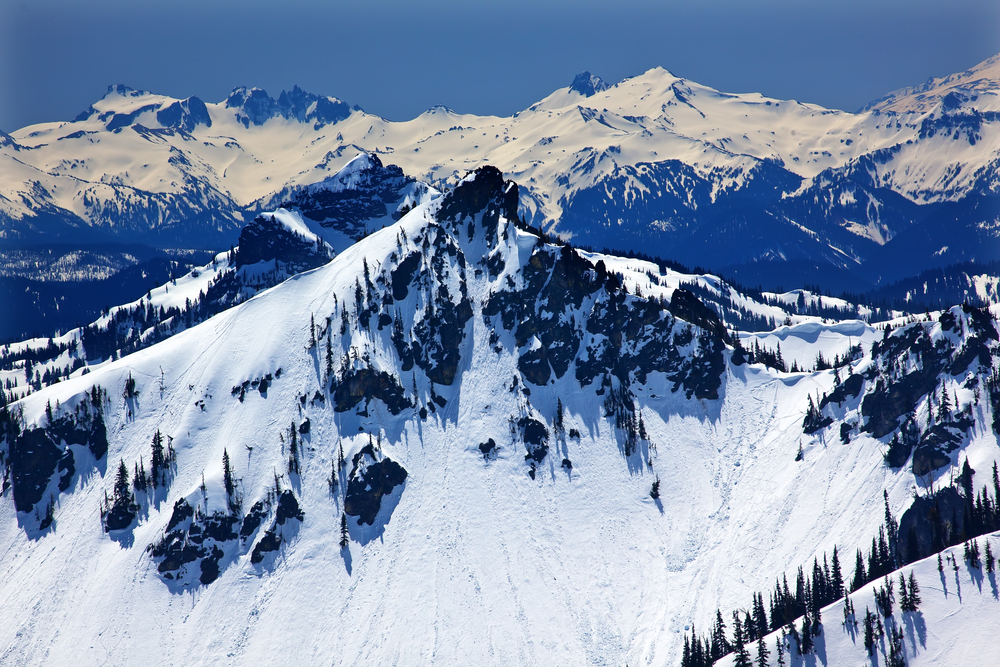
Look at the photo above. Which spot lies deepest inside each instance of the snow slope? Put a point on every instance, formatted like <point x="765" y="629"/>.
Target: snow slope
<point x="480" y="557"/>
<point x="956" y="624"/>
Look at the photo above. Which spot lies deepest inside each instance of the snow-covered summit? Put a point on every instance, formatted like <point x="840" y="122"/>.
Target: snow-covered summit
<point x="979" y="85"/>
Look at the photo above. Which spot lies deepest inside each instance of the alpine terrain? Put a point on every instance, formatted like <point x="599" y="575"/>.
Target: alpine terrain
<point x="398" y="423"/>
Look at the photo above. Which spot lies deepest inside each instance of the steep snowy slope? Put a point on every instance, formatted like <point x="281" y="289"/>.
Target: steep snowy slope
<point x="655" y="163"/>
<point x="504" y="407"/>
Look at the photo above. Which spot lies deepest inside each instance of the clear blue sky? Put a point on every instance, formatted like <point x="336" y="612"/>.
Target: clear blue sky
<point x="397" y="58"/>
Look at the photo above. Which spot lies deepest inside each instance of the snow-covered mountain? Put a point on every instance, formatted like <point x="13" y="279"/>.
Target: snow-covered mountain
<point x="753" y="186"/>
<point x="530" y="453"/>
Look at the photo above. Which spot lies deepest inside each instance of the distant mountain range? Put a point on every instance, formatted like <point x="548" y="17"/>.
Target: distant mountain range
<point x="763" y="190"/>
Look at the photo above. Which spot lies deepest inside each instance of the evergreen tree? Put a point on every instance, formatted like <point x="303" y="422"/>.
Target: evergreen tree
<point x="892" y="532"/>
<point x="904" y="594"/>
<point x="557" y="425"/>
<point x="762" y="652"/>
<point x="742" y="656"/>
<point x="990" y="559"/>
<point x="944" y="407"/>
<point x="122" y="494"/>
<point x="229" y="480"/>
<point x="293" y="449"/>
<point x="859" y="573"/>
<point x="345" y="536"/>
<point x="720" y="646"/>
<point x="837" y="580"/>
<point x="869" y="631"/>
<point x="896" y="656"/>
<point x="312" y="331"/>
<point x="158" y="463"/>
<point x="914" y="593"/>
<point x="780" y="647"/>
<point x="807" y="635"/>
<point x="329" y="355"/>
<point x="759" y="615"/>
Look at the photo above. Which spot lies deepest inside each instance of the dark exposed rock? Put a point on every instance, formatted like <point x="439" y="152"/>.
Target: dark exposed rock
<point x="488" y="449"/>
<point x="535" y="437"/>
<point x="38" y="454"/>
<point x="370" y="480"/>
<point x="933" y="522"/>
<point x="486" y="192"/>
<point x="288" y="508"/>
<point x="253" y="519"/>
<point x="182" y="512"/>
<point x="190" y="537"/>
<point x="849" y="388"/>
<point x="210" y="566"/>
<point x="933" y="450"/>
<point x="67" y="468"/>
<point x="348" y="207"/>
<point x="270" y="542"/>
<point x="33" y="460"/>
<point x="403" y="274"/>
<point x="364" y="385"/>
<point x="120" y="516"/>
<point x="890" y="400"/>
<point x="688" y="307"/>
<point x="266" y="239"/>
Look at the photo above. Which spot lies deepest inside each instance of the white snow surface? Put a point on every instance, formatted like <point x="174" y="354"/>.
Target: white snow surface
<point x="474" y="562"/>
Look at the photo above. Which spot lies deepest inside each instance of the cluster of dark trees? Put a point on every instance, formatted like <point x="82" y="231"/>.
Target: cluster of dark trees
<point x="814" y="590"/>
<point x="120" y="508"/>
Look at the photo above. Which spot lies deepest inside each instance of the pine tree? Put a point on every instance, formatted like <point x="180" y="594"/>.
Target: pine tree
<point x="780" y="646"/>
<point x="940" y="564"/>
<point x="762" y="652"/>
<point x="892" y="531"/>
<point x="990" y="559"/>
<point x="896" y="655"/>
<point x="557" y="425"/>
<point x="720" y="646"/>
<point x="837" y="581"/>
<point x="122" y="494"/>
<point x="869" y="631"/>
<point x="944" y="407"/>
<point x="293" y="449"/>
<point x="654" y="492"/>
<point x="229" y="480"/>
<point x="742" y="656"/>
<point x="312" y="331"/>
<point x="904" y="594"/>
<point x="859" y="573"/>
<point x="345" y="536"/>
<point x="914" y="593"/>
<point x="158" y="463"/>
<point x="807" y="635"/>
<point x="329" y="355"/>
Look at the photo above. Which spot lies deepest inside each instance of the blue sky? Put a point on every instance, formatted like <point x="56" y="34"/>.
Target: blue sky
<point x="397" y="58"/>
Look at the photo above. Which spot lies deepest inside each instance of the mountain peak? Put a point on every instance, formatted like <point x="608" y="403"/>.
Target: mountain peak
<point x="124" y="91"/>
<point x="588" y="84"/>
<point x="952" y="89"/>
